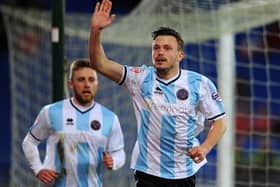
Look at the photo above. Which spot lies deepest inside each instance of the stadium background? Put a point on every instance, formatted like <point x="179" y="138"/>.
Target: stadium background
<point x="122" y="7"/>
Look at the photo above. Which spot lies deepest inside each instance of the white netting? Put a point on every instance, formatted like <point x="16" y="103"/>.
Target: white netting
<point x="196" y="20"/>
<point x="31" y="87"/>
<point x="128" y="41"/>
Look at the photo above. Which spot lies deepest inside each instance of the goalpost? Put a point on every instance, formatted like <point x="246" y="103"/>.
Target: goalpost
<point x="226" y="72"/>
<point x="228" y="41"/>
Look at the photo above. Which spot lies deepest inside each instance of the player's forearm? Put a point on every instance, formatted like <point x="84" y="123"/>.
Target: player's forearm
<point x="30" y="149"/>
<point x="216" y="132"/>
<point x="118" y="159"/>
<point x="98" y="59"/>
<point x="96" y="53"/>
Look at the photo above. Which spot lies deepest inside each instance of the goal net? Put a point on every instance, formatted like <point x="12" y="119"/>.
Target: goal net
<point x="254" y="27"/>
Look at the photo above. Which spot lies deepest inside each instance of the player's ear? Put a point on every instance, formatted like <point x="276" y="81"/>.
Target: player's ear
<point x="181" y="55"/>
<point x="70" y="83"/>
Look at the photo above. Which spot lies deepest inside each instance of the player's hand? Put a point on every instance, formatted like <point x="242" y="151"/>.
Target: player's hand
<point x="101" y="17"/>
<point x="47" y="176"/>
<point x="198" y="153"/>
<point x="107" y="160"/>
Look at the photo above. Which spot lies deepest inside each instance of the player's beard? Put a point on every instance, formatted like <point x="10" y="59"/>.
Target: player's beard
<point x="163" y="68"/>
<point x="162" y="72"/>
<point x="82" y="99"/>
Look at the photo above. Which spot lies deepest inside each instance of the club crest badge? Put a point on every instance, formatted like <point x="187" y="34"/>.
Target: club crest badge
<point x="182" y="94"/>
<point x="95" y="125"/>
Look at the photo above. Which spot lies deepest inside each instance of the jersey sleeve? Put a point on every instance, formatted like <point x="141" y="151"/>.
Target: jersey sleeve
<point x="38" y="132"/>
<point x="116" y="141"/>
<point x="115" y="145"/>
<point x="31" y="153"/>
<point x="40" y="128"/>
<point x="133" y="76"/>
<point x="211" y="104"/>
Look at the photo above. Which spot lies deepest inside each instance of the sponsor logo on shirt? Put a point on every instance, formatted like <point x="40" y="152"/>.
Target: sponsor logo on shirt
<point x="216" y="96"/>
<point x="167" y="108"/>
<point x="70" y="139"/>
<point x="136" y="69"/>
<point x="95" y="125"/>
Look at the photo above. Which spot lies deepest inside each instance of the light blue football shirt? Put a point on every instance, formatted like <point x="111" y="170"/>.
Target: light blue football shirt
<point x="170" y="114"/>
<point x="84" y="135"/>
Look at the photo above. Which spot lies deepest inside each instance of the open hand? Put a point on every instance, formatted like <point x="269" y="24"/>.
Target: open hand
<point x="101" y="17"/>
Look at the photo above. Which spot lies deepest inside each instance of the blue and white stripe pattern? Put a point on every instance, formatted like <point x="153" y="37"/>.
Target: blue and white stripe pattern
<point x="85" y="135"/>
<point x="170" y="114"/>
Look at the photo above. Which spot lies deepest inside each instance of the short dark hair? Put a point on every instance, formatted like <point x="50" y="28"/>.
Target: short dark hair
<point x="78" y="64"/>
<point x="171" y="32"/>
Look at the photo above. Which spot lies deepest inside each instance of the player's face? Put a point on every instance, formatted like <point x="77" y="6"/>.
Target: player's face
<point x="166" y="56"/>
<point x="84" y="84"/>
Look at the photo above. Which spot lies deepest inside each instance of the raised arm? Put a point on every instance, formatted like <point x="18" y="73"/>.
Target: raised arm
<point x="101" y="18"/>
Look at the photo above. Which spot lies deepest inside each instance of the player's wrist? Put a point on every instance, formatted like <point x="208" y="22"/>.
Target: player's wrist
<point x="37" y="170"/>
<point x="96" y="29"/>
<point x="206" y="147"/>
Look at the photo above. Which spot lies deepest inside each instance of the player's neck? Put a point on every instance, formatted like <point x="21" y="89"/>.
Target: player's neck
<point x="82" y="106"/>
<point x="167" y="75"/>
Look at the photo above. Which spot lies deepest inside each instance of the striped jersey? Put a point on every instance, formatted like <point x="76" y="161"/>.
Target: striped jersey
<point x="76" y="140"/>
<point x="170" y="114"/>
